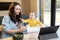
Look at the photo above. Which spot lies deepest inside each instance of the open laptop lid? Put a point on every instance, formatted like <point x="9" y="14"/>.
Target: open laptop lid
<point x="48" y="30"/>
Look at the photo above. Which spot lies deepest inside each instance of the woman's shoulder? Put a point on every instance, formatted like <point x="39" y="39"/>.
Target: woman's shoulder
<point x="6" y="16"/>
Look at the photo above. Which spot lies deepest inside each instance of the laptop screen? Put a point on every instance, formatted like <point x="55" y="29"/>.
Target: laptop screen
<point x="47" y="30"/>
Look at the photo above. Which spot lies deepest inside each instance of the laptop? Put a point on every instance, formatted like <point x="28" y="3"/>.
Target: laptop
<point x="48" y="30"/>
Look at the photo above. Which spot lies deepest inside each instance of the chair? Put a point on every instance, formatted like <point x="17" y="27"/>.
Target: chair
<point x="24" y="16"/>
<point x="1" y="26"/>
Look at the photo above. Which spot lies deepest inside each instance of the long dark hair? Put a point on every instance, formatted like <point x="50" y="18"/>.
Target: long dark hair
<point x="13" y="16"/>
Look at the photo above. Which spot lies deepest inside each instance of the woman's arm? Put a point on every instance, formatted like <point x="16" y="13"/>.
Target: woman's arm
<point x="7" y="27"/>
<point x="17" y="30"/>
<point x="25" y="21"/>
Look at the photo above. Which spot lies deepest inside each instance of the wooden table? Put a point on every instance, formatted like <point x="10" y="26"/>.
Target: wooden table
<point x="26" y="37"/>
<point x="31" y="36"/>
<point x="10" y="38"/>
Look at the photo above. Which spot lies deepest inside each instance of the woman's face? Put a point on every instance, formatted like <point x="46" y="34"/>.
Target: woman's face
<point x="17" y="9"/>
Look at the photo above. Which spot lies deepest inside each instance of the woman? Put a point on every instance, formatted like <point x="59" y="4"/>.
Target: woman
<point x="12" y="23"/>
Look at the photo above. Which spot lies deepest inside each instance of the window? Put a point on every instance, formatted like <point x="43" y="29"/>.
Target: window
<point x="57" y="22"/>
<point x="47" y="12"/>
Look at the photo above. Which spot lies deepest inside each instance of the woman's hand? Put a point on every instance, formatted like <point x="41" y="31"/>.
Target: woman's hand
<point x="17" y="30"/>
<point x="21" y="19"/>
<point x="17" y="24"/>
<point x="22" y="28"/>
